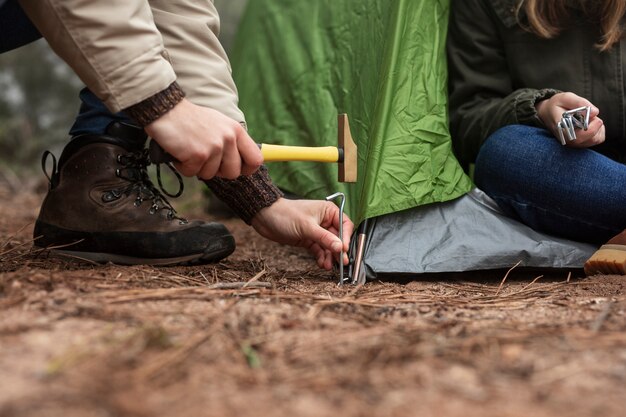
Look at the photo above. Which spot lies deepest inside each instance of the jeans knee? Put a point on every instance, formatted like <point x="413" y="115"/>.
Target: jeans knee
<point x="507" y="153"/>
<point x="514" y="138"/>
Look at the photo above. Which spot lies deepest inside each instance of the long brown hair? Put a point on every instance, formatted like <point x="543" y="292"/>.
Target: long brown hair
<point x="546" y="18"/>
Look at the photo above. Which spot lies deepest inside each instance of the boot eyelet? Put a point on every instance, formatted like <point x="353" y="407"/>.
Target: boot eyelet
<point x="122" y="159"/>
<point x="111" y="195"/>
<point x="118" y="173"/>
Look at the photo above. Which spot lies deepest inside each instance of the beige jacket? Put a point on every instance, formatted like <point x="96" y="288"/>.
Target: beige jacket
<point x="128" y="50"/>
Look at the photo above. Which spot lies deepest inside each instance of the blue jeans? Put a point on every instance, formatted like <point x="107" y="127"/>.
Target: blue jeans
<point x="577" y="194"/>
<point x="93" y="116"/>
<point x="17" y="30"/>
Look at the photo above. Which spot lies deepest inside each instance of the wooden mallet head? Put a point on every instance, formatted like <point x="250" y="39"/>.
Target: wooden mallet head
<point x="348" y="161"/>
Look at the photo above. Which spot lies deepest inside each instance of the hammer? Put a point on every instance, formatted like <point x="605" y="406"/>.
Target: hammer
<point x="345" y="154"/>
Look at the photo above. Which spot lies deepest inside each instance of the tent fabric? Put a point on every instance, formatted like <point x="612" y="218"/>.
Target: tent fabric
<point x="298" y="64"/>
<point x="467" y="234"/>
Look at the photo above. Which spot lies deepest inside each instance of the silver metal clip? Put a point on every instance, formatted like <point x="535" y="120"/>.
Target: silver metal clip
<point x="571" y="120"/>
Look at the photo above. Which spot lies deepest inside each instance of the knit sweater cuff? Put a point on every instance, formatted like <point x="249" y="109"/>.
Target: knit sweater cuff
<point x="525" y="105"/>
<point x="150" y="109"/>
<point x="248" y="194"/>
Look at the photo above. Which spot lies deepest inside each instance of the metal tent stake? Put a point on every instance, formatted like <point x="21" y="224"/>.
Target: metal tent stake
<point x="577" y="118"/>
<point x="358" y="271"/>
<point x="341" y="206"/>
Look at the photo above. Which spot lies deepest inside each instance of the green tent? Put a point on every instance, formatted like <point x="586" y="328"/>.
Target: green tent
<point x="298" y="64"/>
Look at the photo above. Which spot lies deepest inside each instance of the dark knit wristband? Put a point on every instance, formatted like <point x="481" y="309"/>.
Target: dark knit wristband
<point x="248" y="194"/>
<point x="150" y="109"/>
<point x="526" y="102"/>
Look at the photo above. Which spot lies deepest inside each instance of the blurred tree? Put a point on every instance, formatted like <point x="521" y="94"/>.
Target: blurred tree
<point x="230" y="14"/>
<point x="38" y="104"/>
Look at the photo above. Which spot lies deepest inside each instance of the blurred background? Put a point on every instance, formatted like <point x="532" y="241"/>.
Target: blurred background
<point x="39" y="99"/>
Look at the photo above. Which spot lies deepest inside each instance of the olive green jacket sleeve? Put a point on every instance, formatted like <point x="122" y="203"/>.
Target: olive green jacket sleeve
<point x="482" y="95"/>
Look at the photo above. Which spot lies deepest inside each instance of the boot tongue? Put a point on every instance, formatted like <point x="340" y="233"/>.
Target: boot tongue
<point x="129" y="137"/>
<point x="81" y="141"/>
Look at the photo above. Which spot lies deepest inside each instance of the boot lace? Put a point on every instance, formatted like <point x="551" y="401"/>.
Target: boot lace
<point x="134" y="170"/>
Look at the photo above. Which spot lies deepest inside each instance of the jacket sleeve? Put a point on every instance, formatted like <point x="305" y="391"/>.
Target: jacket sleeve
<point x="113" y="46"/>
<point x="248" y="194"/>
<point x="190" y="30"/>
<point x="482" y="96"/>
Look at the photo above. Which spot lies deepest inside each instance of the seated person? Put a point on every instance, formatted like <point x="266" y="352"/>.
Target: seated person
<point x="514" y="68"/>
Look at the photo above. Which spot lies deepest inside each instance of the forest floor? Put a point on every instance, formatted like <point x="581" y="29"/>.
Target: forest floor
<point x="78" y="339"/>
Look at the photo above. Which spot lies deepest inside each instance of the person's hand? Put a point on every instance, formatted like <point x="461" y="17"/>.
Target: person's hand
<point x="550" y="112"/>
<point x="205" y="142"/>
<point x="311" y="224"/>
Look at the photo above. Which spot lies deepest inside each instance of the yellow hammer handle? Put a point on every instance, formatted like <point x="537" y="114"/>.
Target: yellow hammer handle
<point x="272" y="153"/>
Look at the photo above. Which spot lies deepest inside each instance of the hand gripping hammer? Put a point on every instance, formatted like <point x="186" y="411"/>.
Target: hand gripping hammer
<point x="344" y="154"/>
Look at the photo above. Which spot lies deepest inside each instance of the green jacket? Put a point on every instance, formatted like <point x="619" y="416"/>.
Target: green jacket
<point x="497" y="71"/>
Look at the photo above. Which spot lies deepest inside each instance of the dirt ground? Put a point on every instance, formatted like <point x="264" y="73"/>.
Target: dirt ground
<point x="78" y="339"/>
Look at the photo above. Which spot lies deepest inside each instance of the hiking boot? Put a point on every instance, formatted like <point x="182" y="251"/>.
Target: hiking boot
<point x="102" y="206"/>
<point x="610" y="258"/>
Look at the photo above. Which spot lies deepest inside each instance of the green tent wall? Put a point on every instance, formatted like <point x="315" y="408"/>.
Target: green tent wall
<point x="298" y="64"/>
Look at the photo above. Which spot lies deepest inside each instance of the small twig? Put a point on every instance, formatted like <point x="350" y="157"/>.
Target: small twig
<point x="13" y="249"/>
<point x="207" y="281"/>
<point x="505" y="276"/>
<point x="183" y="292"/>
<point x="8" y="240"/>
<point x="255" y="278"/>
<point x="532" y="282"/>
<point x="238" y="285"/>
<point x="569" y="275"/>
<point x="355" y="290"/>
<point x="184" y="277"/>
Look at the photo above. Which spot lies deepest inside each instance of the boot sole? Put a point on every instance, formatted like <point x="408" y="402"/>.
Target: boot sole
<point x="608" y="260"/>
<point x="138" y="248"/>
